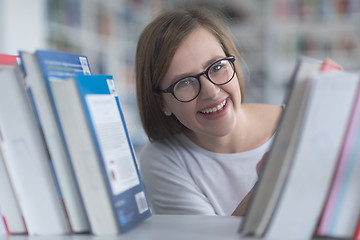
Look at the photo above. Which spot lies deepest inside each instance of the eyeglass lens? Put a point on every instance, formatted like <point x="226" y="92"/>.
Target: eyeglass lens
<point x="218" y="73"/>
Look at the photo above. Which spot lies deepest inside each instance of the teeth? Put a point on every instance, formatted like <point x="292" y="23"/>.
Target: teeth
<point x="214" y="109"/>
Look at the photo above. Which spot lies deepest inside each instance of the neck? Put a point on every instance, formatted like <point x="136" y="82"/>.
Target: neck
<point x="234" y="142"/>
<point x="250" y="131"/>
<point x="213" y="144"/>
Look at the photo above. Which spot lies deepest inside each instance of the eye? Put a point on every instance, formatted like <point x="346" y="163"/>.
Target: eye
<point x="185" y="83"/>
<point x="217" y="66"/>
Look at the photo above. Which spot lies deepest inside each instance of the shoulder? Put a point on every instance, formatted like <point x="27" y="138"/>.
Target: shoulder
<point x="267" y="108"/>
<point x="265" y="117"/>
<point x="269" y="113"/>
<point x="163" y="153"/>
<point x="166" y="146"/>
<point x="155" y="150"/>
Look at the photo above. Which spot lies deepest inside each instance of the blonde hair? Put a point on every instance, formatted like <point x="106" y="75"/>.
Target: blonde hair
<point x="156" y="47"/>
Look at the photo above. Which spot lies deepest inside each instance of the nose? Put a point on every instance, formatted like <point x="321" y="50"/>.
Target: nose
<point x="208" y="89"/>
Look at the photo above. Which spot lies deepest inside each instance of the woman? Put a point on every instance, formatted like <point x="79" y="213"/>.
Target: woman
<point x="205" y="142"/>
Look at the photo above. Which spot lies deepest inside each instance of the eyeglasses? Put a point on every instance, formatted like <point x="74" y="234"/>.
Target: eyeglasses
<point x="187" y="89"/>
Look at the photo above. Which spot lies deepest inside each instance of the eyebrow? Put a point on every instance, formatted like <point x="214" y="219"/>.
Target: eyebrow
<point x="211" y="61"/>
<point x="205" y="66"/>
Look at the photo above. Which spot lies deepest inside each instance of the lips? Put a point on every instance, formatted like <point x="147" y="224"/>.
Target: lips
<point x="214" y="109"/>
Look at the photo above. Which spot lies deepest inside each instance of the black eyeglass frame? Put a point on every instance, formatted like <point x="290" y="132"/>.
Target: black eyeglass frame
<point x="170" y="89"/>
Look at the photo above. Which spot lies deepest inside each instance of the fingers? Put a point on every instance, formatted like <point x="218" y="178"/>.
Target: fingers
<point x="329" y="65"/>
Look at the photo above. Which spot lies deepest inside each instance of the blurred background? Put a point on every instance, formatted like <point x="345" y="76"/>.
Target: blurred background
<point x="270" y="35"/>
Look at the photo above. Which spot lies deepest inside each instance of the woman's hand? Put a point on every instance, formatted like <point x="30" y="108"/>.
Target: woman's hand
<point x="329" y="65"/>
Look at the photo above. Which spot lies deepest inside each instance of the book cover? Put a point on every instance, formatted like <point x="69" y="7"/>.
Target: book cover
<point x="9" y="207"/>
<point x="279" y="159"/>
<point x="62" y="64"/>
<point x="342" y="207"/>
<point x="27" y="160"/>
<point x="37" y="68"/>
<point x="326" y="117"/>
<point x="101" y="153"/>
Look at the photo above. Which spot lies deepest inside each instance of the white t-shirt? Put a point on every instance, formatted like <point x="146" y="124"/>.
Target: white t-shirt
<point x="182" y="178"/>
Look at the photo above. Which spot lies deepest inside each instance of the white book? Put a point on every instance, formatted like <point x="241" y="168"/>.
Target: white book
<point x="326" y="117"/>
<point x="27" y="160"/>
<point x="341" y="211"/>
<point x="279" y="159"/>
<point x="9" y="207"/>
<point x="38" y="92"/>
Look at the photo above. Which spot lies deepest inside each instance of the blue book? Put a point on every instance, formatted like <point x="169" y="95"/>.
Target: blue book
<point x="62" y="64"/>
<point x="37" y="68"/>
<point x="101" y="152"/>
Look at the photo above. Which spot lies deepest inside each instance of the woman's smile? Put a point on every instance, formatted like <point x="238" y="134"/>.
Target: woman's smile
<point x="216" y="111"/>
<point x="211" y="110"/>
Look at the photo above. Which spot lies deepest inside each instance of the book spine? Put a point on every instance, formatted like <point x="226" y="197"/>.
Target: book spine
<point x="356" y="235"/>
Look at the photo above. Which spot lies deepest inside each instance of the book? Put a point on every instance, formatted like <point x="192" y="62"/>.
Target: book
<point x="276" y="205"/>
<point x="3" y="231"/>
<point x="279" y="159"/>
<point x="27" y="160"/>
<point x="9" y="206"/>
<point x="101" y="152"/>
<point x="356" y="234"/>
<point x="342" y="207"/>
<point x="37" y="68"/>
<point x="7" y="61"/>
<point x="309" y="178"/>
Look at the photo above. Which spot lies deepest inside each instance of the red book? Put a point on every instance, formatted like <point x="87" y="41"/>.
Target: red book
<point x="357" y="231"/>
<point x="6" y="59"/>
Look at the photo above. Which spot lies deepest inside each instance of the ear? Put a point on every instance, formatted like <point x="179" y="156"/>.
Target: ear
<point x="163" y="105"/>
<point x="165" y="109"/>
<point x="167" y="113"/>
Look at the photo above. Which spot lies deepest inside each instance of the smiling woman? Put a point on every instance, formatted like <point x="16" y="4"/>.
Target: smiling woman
<point x="204" y="143"/>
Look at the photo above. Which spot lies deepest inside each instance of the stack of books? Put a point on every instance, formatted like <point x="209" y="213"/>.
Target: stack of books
<point x="309" y="185"/>
<point x="67" y="165"/>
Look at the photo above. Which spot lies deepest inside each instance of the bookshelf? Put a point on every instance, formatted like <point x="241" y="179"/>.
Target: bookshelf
<point x="316" y="29"/>
<point x="106" y="32"/>
<point x="18" y="28"/>
<point x="165" y="227"/>
<point x="270" y="36"/>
